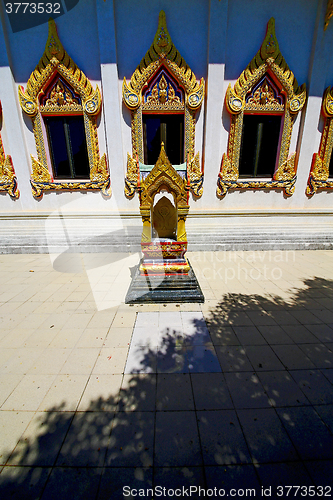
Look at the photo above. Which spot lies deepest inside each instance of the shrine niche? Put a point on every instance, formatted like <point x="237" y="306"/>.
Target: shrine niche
<point x="63" y="107"/>
<point x="8" y="180"/>
<point x="321" y="173"/>
<point x="263" y="105"/>
<point x="163" y="96"/>
<point x="164" y="274"/>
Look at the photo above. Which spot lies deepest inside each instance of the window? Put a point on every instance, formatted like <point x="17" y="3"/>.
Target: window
<point x="63" y="107"/>
<point x="321" y="173"/>
<point x="260" y="141"/>
<point x="263" y="104"/>
<point x="163" y="96"/>
<point x="168" y="129"/>
<point x="68" y="147"/>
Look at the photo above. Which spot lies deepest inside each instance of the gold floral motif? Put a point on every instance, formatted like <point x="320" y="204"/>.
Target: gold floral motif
<point x="55" y="60"/>
<point x="8" y="180"/>
<point x="268" y="61"/>
<point x="195" y="176"/>
<point x="163" y="98"/>
<point x="263" y="99"/>
<point x="319" y="173"/>
<point x="162" y="54"/>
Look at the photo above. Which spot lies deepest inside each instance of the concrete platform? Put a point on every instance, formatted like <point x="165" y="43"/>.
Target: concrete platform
<point x="99" y="399"/>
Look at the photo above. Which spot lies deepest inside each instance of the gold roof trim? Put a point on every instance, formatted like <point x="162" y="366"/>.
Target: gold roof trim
<point x="55" y="58"/>
<point x="270" y="58"/>
<point x="162" y="50"/>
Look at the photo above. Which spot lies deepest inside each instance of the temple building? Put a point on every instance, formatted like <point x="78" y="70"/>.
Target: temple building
<point x="166" y="126"/>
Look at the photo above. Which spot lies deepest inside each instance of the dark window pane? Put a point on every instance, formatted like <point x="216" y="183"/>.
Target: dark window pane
<point x="68" y="147"/>
<point x="58" y="146"/>
<point x="260" y="141"/>
<point x="163" y="128"/>
<point x="79" y="146"/>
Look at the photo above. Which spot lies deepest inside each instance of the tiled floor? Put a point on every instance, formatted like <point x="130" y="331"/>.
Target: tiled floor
<point x="236" y="393"/>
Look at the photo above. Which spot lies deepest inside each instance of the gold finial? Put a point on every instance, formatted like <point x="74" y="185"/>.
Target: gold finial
<point x="270" y="46"/>
<point x="53" y="47"/>
<point x="162" y="40"/>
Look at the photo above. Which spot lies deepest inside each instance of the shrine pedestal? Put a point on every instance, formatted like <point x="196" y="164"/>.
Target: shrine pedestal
<point x="156" y="288"/>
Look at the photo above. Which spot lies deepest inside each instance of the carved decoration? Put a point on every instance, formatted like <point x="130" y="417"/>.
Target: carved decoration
<point x="57" y="86"/>
<point x="163" y="94"/>
<point x="8" y="180"/>
<point x="163" y="176"/>
<point x="319" y="173"/>
<point x="256" y="92"/>
<point x="329" y="13"/>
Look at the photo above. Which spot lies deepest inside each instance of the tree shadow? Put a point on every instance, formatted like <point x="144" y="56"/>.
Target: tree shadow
<point x="261" y="414"/>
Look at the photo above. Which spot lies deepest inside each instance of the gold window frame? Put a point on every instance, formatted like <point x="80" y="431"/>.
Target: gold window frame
<point x="319" y="173"/>
<point x="56" y="60"/>
<point x="8" y="180"/>
<point x="268" y="60"/>
<point x="163" y="53"/>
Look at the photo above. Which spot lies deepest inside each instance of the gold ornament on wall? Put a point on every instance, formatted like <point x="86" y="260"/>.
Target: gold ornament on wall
<point x="244" y="97"/>
<point x="57" y="65"/>
<point x="162" y="55"/>
<point x="320" y="168"/>
<point x="8" y="180"/>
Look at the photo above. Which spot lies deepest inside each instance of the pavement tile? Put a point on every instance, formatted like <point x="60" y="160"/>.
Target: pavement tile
<point x="233" y="359"/>
<point x="221" y="438"/>
<point x="263" y="358"/>
<point x="118" y="337"/>
<point x="276" y="479"/>
<point x="210" y="391"/>
<point x="321" y="473"/>
<point x="17" y="483"/>
<point x="320" y="355"/>
<point x="7" y="385"/>
<point x="29" y="393"/>
<point x="326" y="414"/>
<point x="176" y="439"/>
<point x="12" y="426"/>
<point x="328" y="374"/>
<point x="180" y="479"/>
<point x="281" y="389"/>
<point x="174" y="392"/>
<point x="223" y="335"/>
<point x="324" y="333"/>
<point x="72" y="482"/>
<point x="50" y="361"/>
<point x="266" y="437"/>
<point x="101" y="393"/>
<point x="293" y="357"/>
<point x="132" y="440"/>
<point x="80" y="361"/>
<point x="249" y="335"/>
<point x="307" y="431"/>
<point x="65" y="392"/>
<point x="246" y="390"/>
<point x="314" y="385"/>
<point x="40" y="443"/>
<point x="274" y="334"/>
<point x="234" y="477"/>
<point x="300" y="334"/>
<point x="118" y="482"/>
<point x="86" y="441"/>
<point x="138" y="393"/>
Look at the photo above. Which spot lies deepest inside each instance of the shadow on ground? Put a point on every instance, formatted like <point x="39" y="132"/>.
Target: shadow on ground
<point x="266" y="416"/>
